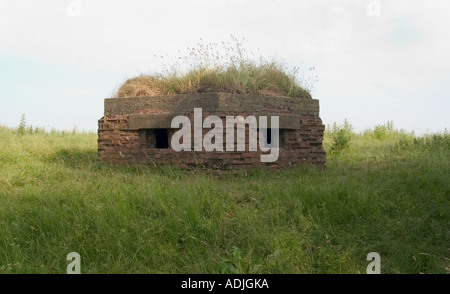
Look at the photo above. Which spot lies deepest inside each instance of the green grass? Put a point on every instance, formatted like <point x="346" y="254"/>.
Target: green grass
<point x="386" y="193"/>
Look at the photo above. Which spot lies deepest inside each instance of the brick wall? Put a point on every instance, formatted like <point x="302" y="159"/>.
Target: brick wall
<point x="119" y="144"/>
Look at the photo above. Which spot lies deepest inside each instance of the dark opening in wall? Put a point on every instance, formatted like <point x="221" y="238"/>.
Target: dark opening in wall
<point x="268" y="135"/>
<point x="162" y="138"/>
<point x="282" y="136"/>
<point x="154" y="138"/>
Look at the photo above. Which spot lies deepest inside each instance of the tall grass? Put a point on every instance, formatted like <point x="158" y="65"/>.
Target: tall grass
<point x="225" y="67"/>
<point x="388" y="194"/>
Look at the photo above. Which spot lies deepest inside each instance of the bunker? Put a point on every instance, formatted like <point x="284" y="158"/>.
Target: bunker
<point x="139" y="130"/>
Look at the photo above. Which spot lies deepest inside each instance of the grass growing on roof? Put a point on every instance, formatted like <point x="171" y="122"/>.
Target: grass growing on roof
<point x="210" y="68"/>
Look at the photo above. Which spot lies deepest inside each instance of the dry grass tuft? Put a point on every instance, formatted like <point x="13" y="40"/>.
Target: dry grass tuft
<point x="209" y="70"/>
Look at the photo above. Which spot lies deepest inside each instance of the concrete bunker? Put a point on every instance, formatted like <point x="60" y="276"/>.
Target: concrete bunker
<point x="139" y="130"/>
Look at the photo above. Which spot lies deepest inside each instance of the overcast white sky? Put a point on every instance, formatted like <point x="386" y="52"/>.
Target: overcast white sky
<point x="376" y="60"/>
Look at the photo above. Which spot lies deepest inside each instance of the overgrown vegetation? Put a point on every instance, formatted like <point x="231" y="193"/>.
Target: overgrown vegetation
<point x="23" y="129"/>
<point x="225" y="67"/>
<point x="341" y="136"/>
<point x="387" y="194"/>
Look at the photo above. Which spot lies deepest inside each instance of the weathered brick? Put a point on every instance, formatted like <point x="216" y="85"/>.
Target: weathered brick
<point x="118" y="144"/>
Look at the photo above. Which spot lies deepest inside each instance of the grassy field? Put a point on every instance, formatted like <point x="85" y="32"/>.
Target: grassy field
<point x="383" y="191"/>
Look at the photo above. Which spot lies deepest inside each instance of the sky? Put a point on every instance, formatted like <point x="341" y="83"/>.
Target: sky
<point x="376" y="60"/>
